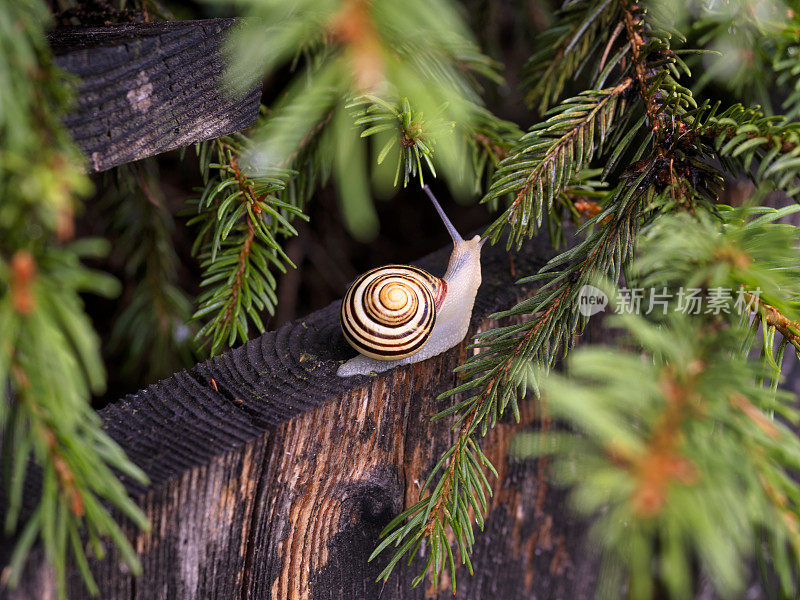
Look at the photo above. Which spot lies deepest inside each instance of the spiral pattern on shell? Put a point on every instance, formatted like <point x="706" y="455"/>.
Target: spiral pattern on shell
<point x="389" y="312"/>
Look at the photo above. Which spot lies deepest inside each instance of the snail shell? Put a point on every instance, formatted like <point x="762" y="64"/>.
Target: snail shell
<point x="390" y="312"/>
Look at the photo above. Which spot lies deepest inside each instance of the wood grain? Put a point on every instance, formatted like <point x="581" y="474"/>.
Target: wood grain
<point x="271" y="477"/>
<point x="146" y="88"/>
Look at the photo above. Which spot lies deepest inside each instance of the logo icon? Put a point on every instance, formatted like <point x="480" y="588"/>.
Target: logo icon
<point x="591" y="300"/>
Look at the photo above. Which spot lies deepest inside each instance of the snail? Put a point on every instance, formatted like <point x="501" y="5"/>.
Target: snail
<point x="398" y="314"/>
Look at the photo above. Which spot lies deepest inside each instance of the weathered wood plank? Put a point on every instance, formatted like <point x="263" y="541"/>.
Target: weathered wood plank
<point x="146" y="88"/>
<point x="272" y="477"/>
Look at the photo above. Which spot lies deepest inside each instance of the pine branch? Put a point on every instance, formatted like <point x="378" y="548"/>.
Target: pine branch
<point x="491" y="140"/>
<point x="651" y="70"/>
<point x="695" y="446"/>
<point x="244" y="247"/>
<point x="405" y="134"/>
<point x="550" y="155"/>
<point x="686" y="455"/>
<point x="405" y="137"/>
<point x="561" y="51"/>
<point x="743" y="136"/>
<point x="744" y="249"/>
<point x="746" y="48"/>
<point x="150" y="335"/>
<point x="375" y="55"/>
<point x="241" y="220"/>
<point x="50" y="360"/>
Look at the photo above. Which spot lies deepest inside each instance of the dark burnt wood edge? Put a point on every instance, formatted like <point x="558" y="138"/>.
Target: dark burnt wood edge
<point x="177" y="66"/>
<point x="69" y="39"/>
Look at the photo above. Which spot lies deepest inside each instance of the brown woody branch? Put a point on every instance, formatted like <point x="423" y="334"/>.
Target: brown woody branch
<point x="789" y="329"/>
<point x="251" y="198"/>
<point x="633" y="23"/>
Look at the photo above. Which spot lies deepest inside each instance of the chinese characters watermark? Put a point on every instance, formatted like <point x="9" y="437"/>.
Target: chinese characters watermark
<point x="690" y="301"/>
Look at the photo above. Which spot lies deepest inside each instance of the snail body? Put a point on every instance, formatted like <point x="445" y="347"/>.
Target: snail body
<point x="398" y="314"/>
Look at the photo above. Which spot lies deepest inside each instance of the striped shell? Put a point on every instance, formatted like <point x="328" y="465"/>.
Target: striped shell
<point x="389" y="312"/>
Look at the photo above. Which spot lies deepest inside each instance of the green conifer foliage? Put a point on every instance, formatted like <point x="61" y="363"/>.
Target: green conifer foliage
<point x="681" y="445"/>
<point x="49" y="352"/>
